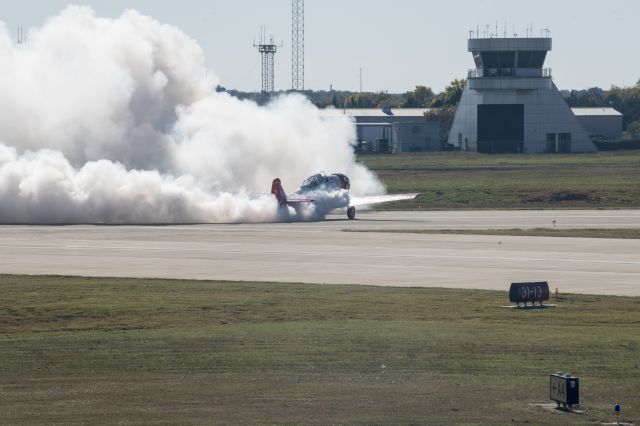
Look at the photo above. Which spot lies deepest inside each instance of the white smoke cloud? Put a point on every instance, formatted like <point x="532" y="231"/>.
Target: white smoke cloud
<point x="118" y="121"/>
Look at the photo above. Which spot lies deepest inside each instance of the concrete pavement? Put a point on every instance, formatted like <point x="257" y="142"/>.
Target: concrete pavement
<point x="320" y="252"/>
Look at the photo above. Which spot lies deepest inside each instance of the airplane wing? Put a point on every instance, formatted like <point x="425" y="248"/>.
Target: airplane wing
<point x="296" y="200"/>
<point x="377" y="199"/>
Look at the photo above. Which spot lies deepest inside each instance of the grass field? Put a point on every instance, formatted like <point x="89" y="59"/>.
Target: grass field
<point x="126" y="351"/>
<point x="478" y="181"/>
<point x="623" y="233"/>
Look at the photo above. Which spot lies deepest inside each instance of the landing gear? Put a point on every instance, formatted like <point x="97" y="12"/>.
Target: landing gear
<point x="351" y="213"/>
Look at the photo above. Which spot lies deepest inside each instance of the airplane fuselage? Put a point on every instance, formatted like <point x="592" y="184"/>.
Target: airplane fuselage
<point x="328" y="192"/>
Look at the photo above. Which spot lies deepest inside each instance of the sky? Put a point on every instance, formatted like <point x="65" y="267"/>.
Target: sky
<point x="398" y="44"/>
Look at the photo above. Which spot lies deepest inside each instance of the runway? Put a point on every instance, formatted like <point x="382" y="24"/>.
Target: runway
<point x="321" y="252"/>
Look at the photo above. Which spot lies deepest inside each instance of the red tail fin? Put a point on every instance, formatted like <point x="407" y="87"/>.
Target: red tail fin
<point x="276" y="189"/>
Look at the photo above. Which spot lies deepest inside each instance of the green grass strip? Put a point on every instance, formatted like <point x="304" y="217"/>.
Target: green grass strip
<point x="149" y="351"/>
<point x="517" y="232"/>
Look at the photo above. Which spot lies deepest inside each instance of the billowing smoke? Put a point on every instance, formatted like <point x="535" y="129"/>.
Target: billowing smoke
<point x="118" y="121"/>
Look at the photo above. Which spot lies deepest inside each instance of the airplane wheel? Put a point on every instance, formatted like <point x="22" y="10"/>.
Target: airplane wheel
<point x="351" y="213"/>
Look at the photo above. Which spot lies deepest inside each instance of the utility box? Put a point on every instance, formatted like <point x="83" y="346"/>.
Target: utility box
<point x="564" y="389"/>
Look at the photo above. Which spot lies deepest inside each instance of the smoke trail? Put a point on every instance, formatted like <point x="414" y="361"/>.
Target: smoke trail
<point x="118" y="121"/>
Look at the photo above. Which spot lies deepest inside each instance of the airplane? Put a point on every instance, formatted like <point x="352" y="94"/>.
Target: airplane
<point x="331" y="192"/>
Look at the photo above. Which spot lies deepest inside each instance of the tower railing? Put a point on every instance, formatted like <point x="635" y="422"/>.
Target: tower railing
<point x="509" y="72"/>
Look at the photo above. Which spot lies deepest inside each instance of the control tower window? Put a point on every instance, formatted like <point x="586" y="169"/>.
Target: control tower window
<point x="490" y="59"/>
<point x="531" y="59"/>
<point x="507" y="59"/>
<point x="498" y="59"/>
<point x="477" y="58"/>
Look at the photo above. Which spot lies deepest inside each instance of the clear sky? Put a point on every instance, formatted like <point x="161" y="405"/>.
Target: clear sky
<point x="397" y="44"/>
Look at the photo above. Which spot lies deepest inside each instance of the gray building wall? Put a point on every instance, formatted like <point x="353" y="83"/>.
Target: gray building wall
<point x="387" y="119"/>
<point x="392" y="129"/>
<point x="545" y="112"/>
<point x="416" y="137"/>
<point x="609" y="126"/>
<point x="399" y="137"/>
<point x="374" y="137"/>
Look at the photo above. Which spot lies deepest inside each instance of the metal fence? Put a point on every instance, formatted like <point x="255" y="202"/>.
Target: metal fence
<point x="509" y="72"/>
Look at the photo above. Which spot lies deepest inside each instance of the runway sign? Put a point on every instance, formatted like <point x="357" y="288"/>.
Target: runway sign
<point x="529" y="292"/>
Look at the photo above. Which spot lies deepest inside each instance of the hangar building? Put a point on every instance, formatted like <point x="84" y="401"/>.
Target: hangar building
<point x="600" y="122"/>
<point x="510" y="103"/>
<point x="393" y="129"/>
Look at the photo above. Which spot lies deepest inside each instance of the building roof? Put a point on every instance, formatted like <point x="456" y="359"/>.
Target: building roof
<point x="419" y="112"/>
<point x="377" y="112"/>
<point x="509" y="43"/>
<point x="595" y="111"/>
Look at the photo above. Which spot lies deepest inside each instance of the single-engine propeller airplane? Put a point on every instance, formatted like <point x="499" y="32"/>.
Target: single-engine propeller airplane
<point x="315" y="187"/>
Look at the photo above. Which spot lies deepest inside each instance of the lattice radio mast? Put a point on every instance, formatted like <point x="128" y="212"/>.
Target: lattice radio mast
<point x="267" y="49"/>
<point x="297" y="44"/>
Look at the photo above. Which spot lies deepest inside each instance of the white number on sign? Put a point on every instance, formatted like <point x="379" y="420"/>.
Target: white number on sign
<point x="531" y="292"/>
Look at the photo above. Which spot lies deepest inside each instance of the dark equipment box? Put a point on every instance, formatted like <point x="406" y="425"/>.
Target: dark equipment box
<point x="564" y="389"/>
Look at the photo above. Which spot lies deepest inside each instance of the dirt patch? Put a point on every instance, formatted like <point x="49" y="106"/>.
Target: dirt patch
<point x="559" y="197"/>
<point x="570" y="196"/>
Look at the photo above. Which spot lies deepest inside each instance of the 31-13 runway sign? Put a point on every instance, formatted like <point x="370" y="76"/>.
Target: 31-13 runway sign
<point x="529" y="292"/>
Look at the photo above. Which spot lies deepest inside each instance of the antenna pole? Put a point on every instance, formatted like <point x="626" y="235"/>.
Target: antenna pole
<point x="297" y="45"/>
<point x="268" y="51"/>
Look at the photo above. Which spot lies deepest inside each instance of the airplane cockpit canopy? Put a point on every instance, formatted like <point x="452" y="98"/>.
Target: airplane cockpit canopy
<point x="327" y="182"/>
<point x="344" y="181"/>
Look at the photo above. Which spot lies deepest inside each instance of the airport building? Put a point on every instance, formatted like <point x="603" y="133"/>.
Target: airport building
<point x="393" y="130"/>
<point x="510" y="103"/>
<point x="601" y="123"/>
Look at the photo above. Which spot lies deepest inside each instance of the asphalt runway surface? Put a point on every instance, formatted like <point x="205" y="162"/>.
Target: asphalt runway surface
<point x="321" y="252"/>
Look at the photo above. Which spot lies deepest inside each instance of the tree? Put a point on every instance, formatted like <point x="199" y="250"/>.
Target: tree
<point x="634" y="129"/>
<point x="626" y="100"/>
<point x="424" y="96"/>
<point x="444" y="116"/>
<point x="451" y="95"/>
<point x="421" y="97"/>
<point x="337" y="101"/>
<point x="593" y="97"/>
<point x="360" y="100"/>
<point x="372" y="100"/>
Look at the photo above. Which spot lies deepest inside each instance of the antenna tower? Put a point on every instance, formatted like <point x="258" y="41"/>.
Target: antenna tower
<point x="268" y="51"/>
<point x="297" y="44"/>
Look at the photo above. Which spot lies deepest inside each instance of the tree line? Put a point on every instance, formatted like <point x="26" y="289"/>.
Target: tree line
<point x="420" y="97"/>
<point x="624" y="99"/>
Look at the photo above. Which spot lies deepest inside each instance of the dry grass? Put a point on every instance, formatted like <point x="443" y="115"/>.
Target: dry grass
<point x="131" y="351"/>
<point x="478" y="181"/>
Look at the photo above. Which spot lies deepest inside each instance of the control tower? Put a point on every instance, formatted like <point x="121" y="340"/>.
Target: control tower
<point x="510" y="104"/>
